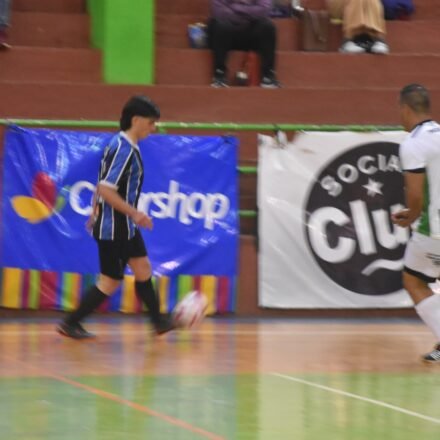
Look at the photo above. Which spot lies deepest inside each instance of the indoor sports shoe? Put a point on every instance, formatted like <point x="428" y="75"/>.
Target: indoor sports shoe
<point x="351" y="47"/>
<point x="74" y="331"/>
<point x="85" y="333"/>
<point x="379" y="47"/>
<point x="434" y="356"/>
<point x="270" y="82"/>
<point x="219" y="80"/>
<point x="164" y="325"/>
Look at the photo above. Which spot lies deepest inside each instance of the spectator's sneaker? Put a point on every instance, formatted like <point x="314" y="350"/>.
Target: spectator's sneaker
<point x="219" y="79"/>
<point x="4" y="40"/>
<point x="164" y="325"/>
<point x="350" y="46"/>
<point x="297" y="10"/>
<point x="434" y="356"/>
<point x="74" y="331"/>
<point x="270" y="82"/>
<point x="379" y="47"/>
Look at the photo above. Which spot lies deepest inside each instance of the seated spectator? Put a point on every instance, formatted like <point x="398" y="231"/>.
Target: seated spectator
<point x="242" y="25"/>
<point x="363" y="25"/>
<point x="4" y="23"/>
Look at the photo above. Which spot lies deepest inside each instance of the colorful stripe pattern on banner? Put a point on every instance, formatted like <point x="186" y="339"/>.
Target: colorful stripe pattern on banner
<point x="42" y="290"/>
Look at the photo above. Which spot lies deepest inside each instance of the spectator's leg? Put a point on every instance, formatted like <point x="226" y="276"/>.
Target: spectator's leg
<point x="364" y="16"/>
<point x="221" y="36"/>
<point x="363" y="26"/>
<point x="376" y="27"/>
<point x="264" y="40"/>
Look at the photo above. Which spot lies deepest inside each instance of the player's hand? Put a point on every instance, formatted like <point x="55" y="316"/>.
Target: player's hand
<point x="143" y="220"/>
<point x="90" y="223"/>
<point x="149" y="223"/>
<point x="402" y="218"/>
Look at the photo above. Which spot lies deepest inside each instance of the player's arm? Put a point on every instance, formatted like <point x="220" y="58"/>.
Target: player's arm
<point x="413" y="160"/>
<point x="414" y="190"/>
<point x="414" y="186"/>
<point x="111" y="196"/>
<point x="94" y="214"/>
<point x="109" y="184"/>
<point x="95" y="203"/>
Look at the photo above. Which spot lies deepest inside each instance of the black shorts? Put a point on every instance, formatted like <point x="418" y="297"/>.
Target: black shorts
<point x="114" y="254"/>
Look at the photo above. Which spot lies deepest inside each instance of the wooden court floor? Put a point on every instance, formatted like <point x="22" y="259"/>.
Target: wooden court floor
<point x="230" y="379"/>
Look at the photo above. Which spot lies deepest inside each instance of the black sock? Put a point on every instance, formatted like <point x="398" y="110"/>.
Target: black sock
<point x="145" y="291"/>
<point x="92" y="299"/>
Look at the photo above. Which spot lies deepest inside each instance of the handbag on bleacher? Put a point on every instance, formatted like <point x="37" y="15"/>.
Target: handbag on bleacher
<point x="315" y="30"/>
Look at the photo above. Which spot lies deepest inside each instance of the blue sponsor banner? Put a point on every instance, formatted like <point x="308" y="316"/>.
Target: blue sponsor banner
<point x="190" y="191"/>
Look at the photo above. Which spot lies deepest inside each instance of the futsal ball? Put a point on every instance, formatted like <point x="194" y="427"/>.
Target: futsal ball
<point x="190" y="310"/>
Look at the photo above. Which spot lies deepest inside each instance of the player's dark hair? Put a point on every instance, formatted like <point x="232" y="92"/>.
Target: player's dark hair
<point x="138" y="106"/>
<point x="416" y="97"/>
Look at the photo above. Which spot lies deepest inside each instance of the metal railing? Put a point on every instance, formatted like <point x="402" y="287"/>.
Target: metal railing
<point x="227" y="126"/>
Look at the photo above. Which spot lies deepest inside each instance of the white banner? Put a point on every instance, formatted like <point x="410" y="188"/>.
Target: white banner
<point x="326" y="239"/>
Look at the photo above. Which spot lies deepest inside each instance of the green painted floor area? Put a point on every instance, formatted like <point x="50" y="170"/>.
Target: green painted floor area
<point x="230" y="407"/>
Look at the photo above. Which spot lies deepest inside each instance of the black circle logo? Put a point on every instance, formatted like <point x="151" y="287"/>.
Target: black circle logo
<point x="347" y="219"/>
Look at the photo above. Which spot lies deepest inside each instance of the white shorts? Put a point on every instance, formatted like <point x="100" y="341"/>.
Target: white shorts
<point x="422" y="257"/>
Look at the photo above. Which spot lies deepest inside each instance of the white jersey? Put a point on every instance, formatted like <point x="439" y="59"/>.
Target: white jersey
<point x="420" y="153"/>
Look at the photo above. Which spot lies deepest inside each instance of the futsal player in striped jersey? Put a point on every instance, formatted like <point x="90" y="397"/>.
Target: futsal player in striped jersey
<point x="420" y="160"/>
<point x="116" y="221"/>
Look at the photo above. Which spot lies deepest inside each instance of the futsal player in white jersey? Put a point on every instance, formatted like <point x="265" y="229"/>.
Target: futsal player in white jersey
<point x="116" y="221"/>
<point x="420" y="160"/>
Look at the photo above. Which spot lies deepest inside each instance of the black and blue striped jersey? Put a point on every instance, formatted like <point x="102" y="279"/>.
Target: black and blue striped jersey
<point x="122" y="169"/>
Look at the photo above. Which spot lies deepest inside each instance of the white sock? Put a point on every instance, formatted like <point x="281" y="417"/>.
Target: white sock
<point x="429" y="311"/>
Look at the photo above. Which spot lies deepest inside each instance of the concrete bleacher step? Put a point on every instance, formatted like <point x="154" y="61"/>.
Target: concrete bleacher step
<point x="34" y="64"/>
<point x="249" y="201"/>
<point x="307" y="69"/>
<point x="315" y="105"/>
<point x="425" y="9"/>
<point x="58" y="6"/>
<point x="248" y="227"/>
<point x="247" y="185"/>
<point x="422" y="36"/>
<point x="50" y="29"/>
<point x="414" y="36"/>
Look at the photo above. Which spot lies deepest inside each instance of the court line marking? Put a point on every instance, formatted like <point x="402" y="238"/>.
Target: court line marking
<point x="118" y="399"/>
<point x="358" y="397"/>
<point x="138" y="407"/>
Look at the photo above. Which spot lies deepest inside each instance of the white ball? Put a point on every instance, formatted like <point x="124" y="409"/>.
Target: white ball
<point x="190" y="310"/>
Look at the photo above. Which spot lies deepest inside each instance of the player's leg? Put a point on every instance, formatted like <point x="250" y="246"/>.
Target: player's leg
<point x="90" y="301"/>
<point x="145" y="291"/>
<point x="141" y="267"/>
<point x="112" y="267"/>
<point x="421" y="258"/>
<point x="427" y="305"/>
